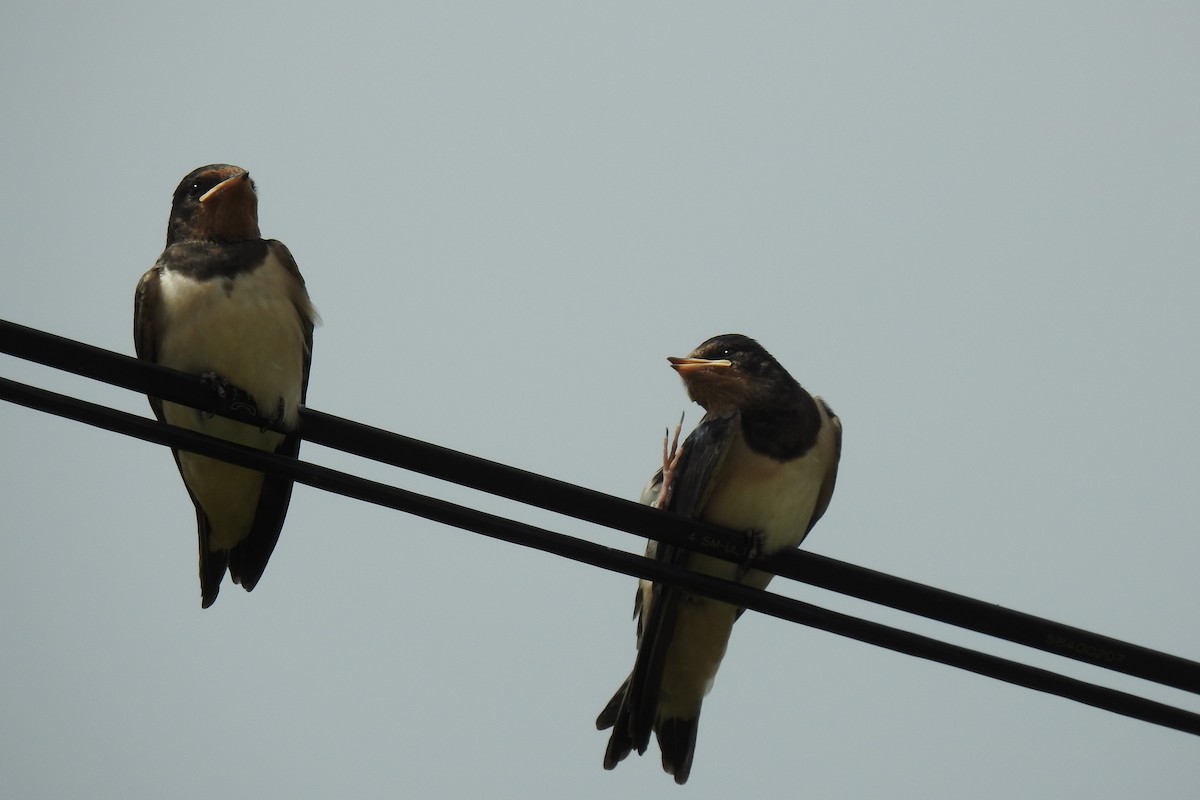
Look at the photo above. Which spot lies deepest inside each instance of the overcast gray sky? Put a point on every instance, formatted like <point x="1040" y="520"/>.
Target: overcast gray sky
<point x="971" y="227"/>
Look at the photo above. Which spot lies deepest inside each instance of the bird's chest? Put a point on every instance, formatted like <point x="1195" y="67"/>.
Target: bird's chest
<point x="246" y="329"/>
<point x="753" y="492"/>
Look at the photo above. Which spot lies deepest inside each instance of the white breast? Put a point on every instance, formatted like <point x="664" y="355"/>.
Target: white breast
<point x="757" y="493"/>
<point x="247" y="329"/>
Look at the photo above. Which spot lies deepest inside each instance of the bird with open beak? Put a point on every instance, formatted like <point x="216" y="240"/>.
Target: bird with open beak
<point x="224" y="303"/>
<point x="762" y="461"/>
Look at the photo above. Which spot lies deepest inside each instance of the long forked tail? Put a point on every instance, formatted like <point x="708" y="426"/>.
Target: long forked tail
<point x="676" y="736"/>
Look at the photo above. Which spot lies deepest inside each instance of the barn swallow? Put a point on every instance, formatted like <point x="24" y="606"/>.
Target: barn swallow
<point x="227" y="304"/>
<point x="762" y="461"/>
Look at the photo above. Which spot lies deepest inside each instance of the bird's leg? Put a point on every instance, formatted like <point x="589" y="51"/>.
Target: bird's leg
<point x="230" y="397"/>
<point x="754" y="550"/>
<point x="671" y="458"/>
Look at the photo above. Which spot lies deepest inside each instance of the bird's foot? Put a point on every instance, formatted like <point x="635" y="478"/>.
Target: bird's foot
<point x="754" y="551"/>
<point x="230" y="397"/>
<point x="671" y="456"/>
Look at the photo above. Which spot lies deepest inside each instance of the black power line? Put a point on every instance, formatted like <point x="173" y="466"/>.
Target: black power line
<point x="608" y="558"/>
<point x="613" y="512"/>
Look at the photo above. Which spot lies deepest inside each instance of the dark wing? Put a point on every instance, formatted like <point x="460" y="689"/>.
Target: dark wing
<point x="631" y="712"/>
<point x="826" y="493"/>
<point x="147" y="324"/>
<point x="704" y="451"/>
<point x="304" y="307"/>
<point x="248" y="559"/>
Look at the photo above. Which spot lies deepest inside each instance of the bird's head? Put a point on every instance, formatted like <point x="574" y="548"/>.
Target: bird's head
<point x="733" y="371"/>
<point x="214" y="203"/>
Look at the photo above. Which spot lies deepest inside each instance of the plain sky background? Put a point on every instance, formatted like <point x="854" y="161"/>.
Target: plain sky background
<point x="973" y="228"/>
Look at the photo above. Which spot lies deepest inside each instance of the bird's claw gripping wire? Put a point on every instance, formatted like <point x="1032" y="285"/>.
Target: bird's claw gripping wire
<point x="230" y="397"/>
<point x="754" y="551"/>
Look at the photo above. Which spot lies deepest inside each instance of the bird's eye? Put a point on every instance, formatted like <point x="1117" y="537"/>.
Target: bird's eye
<point x="194" y="190"/>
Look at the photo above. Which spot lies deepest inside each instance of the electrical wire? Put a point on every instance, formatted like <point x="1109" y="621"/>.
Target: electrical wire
<point x="607" y="558"/>
<point x="581" y="503"/>
<point x="620" y="514"/>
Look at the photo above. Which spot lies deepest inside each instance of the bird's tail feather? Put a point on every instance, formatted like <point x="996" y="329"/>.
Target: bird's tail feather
<point x="212" y="562"/>
<point x="616" y="716"/>
<point x="677" y="741"/>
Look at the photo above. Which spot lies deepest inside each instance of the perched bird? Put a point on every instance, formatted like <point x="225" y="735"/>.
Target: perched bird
<point x="227" y="304"/>
<point x="763" y="461"/>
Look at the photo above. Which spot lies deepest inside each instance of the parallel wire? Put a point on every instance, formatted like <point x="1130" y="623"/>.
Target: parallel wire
<point x="613" y="512"/>
<point x="593" y="554"/>
<point x="586" y="504"/>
